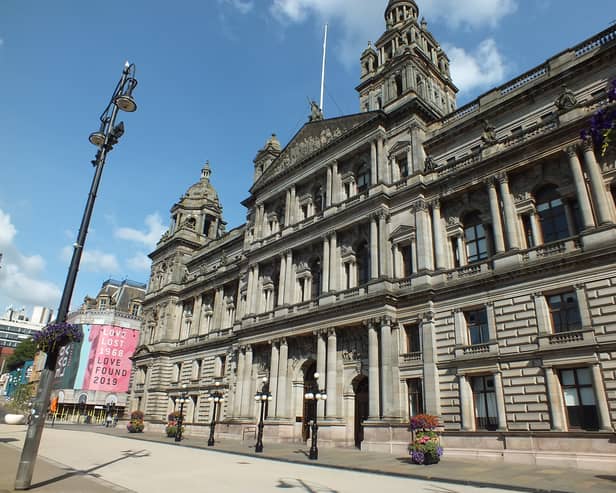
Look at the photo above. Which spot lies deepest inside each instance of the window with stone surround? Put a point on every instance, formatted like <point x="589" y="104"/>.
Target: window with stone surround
<point x="552" y="216"/>
<point x="579" y="398"/>
<point x="477" y="326"/>
<point x="406" y="251"/>
<point x="413" y="339"/>
<point x="175" y="372"/>
<point x="196" y="369"/>
<point x="219" y="366"/>
<point x="484" y="401"/>
<point x="475" y="238"/>
<point x="564" y="312"/>
<point x="415" y="389"/>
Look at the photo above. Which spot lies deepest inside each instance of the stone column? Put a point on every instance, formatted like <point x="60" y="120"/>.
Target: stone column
<point x="466" y="408"/>
<point x="438" y="235"/>
<point x="397" y="408"/>
<point x="332" y="398"/>
<point x="321" y="365"/>
<point x="373" y="164"/>
<point x="555" y="400"/>
<point x="282" y="409"/>
<point x="500" y="401"/>
<point x="281" y="279"/>
<point x="289" y="283"/>
<point x="373" y="372"/>
<point x="325" y="279"/>
<point x="542" y="313"/>
<point x="536" y="229"/>
<point x="605" y="422"/>
<point x="425" y="259"/>
<point x="382" y="160"/>
<point x="384" y="251"/>
<point x="580" y="188"/>
<point x="293" y="207"/>
<point x="335" y="183"/>
<point x="247" y="387"/>
<point x="239" y="386"/>
<point x="499" y="240"/>
<point x="249" y="290"/>
<point x="430" y="369"/>
<point x="374" y="249"/>
<point x="334" y="266"/>
<point x="287" y="208"/>
<point x="597" y="187"/>
<point x="218" y="309"/>
<point x="511" y="217"/>
<point x="196" y="315"/>
<point x="461" y="250"/>
<point x="386" y="373"/>
<point x="328" y="187"/>
<point x="273" y="377"/>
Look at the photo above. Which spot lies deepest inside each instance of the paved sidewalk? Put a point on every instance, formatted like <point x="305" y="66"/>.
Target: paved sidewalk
<point x="480" y="474"/>
<point x="49" y="477"/>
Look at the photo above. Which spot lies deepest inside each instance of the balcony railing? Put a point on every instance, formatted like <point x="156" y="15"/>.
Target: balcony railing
<point x="414" y="356"/>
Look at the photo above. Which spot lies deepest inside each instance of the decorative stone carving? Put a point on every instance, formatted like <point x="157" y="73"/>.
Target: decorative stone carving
<point x="489" y="134"/>
<point x="566" y="101"/>
<point x="429" y="164"/>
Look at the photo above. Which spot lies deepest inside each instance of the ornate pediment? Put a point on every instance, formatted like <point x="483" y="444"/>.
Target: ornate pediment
<point x="402" y="233"/>
<point x="312" y="138"/>
<point x="398" y="147"/>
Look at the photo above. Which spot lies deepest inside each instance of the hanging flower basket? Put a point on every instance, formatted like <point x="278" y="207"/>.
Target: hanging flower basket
<point x="425" y="448"/>
<point x="602" y="129"/>
<point x="54" y="336"/>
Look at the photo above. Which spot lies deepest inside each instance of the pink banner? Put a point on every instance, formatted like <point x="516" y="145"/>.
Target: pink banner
<point x="109" y="365"/>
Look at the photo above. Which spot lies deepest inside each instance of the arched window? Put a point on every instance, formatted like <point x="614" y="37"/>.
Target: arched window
<point x="363" y="263"/>
<point x="552" y="216"/>
<point x="475" y="238"/>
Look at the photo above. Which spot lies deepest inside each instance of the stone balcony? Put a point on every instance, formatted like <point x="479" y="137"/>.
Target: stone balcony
<point x="573" y="338"/>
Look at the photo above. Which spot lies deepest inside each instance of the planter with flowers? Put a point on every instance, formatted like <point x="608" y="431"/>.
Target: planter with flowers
<point x="425" y="447"/>
<point x="172" y="424"/>
<point x="135" y="425"/>
<point x="54" y="336"/>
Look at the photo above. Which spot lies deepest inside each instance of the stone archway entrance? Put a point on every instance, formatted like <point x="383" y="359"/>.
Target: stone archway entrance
<point x="310" y="406"/>
<point x="361" y="408"/>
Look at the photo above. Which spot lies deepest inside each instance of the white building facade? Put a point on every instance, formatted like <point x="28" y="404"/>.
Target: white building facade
<point x="420" y="258"/>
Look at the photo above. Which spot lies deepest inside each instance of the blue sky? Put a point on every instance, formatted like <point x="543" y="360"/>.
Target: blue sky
<point x="216" y="78"/>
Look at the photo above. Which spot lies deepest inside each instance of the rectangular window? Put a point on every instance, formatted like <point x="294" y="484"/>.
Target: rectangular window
<point x="415" y="389"/>
<point x="413" y="339"/>
<point x="477" y="325"/>
<point x="407" y="260"/>
<point x="579" y="397"/>
<point x="175" y="376"/>
<point x="564" y="312"/>
<point x="102" y="304"/>
<point x="484" y="399"/>
<point x="404" y="167"/>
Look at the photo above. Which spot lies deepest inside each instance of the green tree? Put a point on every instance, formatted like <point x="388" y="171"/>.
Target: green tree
<point x="24" y="351"/>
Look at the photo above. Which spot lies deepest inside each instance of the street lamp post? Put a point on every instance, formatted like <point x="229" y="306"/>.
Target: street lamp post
<point x="216" y="397"/>
<point x="182" y="399"/>
<point x="263" y="396"/>
<point x="315" y="394"/>
<point x="105" y="138"/>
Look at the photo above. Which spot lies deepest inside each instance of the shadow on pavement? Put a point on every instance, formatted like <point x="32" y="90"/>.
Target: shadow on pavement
<point x="609" y="478"/>
<point x="8" y="440"/>
<point x="308" y="487"/>
<point x="127" y="454"/>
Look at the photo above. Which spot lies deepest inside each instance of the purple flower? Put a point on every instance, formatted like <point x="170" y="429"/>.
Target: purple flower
<point x="439" y="451"/>
<point x="56" y="335"/>
<point x="418" y="457"/>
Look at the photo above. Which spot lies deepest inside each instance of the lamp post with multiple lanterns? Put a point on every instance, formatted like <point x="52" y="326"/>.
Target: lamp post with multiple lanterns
<point x="216" y="397"/>
<point x="263" y="396"/>
<point x="181" y="399"/>
<point x="315" y="394"/>
<point x="105" y="138"/>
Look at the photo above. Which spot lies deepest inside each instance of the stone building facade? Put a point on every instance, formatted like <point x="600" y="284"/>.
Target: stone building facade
<point x="420" y="258"/>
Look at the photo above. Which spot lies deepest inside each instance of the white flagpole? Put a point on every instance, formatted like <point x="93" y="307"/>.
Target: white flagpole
<point x="323" y="68"/>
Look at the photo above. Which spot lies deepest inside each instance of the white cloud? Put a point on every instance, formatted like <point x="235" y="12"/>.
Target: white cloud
<point x="94" y="260"/>
<point x="355" y="26"/>
<point x="21" y="275"/>
<point x="243" y="6"/>
<point x="139" y="262"/>
<point x="470" y="13"/>
<point x="481" y="69"/>
<point x="7" y="230"/>
<point x="149" y="238"/>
